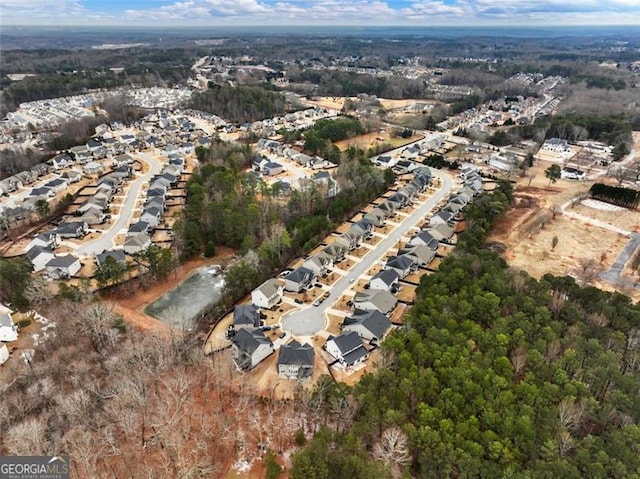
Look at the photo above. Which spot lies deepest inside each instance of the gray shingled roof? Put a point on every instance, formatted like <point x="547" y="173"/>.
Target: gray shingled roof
<point x="246" y="314"/>
<point x="388" y="276"/>
<point x="296" y="354"/>
<point x="348" y="342"/>
<point x="62" y="261"/>
<point x="374" y="321"/>
<point x="382" y="300"/>
<point x="248" y="340"/>
<point x="117" y="255"/>
<point x="300" y="275"/>
<point x="36" y="251"/>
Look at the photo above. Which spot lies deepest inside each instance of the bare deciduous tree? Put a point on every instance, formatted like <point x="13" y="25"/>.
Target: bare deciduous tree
<point x="393" y="449"/>
<point x="26" y="438"/>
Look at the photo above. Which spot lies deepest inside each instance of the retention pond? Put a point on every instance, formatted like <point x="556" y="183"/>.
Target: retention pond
<point x="181" y="306"/>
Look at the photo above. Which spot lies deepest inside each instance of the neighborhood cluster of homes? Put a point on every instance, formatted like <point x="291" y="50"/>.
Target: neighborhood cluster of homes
<point x="298" y="120"/>
<point x="139" y="233"/>
<point x="369" y="322"/>
<point x="41" y="249"/>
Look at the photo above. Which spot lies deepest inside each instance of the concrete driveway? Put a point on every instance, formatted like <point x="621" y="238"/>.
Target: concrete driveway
<point x="105" y="241"/>
<point x="312" y="319"/>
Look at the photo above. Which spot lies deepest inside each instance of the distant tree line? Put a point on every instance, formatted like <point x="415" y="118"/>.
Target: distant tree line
<point x="617" y="195"/>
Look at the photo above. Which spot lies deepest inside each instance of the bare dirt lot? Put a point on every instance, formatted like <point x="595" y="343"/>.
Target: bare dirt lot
<point x="374" y="139"/>
<point x="582" y="233"/>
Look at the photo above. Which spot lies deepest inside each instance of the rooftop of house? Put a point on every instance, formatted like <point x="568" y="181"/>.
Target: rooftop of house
<point x="296" y="354"/>
<point x="62" y="261"/>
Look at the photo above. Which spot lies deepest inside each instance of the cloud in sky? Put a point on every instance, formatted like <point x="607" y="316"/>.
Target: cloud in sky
<point x="319" y="12"/>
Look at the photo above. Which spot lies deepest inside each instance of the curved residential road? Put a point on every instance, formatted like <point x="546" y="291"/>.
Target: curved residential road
<point x="105" y="241"/>
<point x="311" y="319"/>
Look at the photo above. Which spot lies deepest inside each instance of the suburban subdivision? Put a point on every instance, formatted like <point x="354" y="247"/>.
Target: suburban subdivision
<point x="319" y="251"/>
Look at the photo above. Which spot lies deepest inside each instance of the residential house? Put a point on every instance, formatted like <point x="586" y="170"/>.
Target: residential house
<point x="347" y="348"/>
<point x="442" y="232"/>
<point x="93" y="144"/>
<point x="425" y="238"/>
<point x="444" y="217"/>
<point x="71" y="176"/>
<point x="371" y="326"/>
<point x="61" y="161"/>
<point x="122" y="160"/>
<point x="42" y="192"/>
<point x="375" y="299"/>
<point x="98" y="201"/>
<point x="26" y="177"/>
<point x="47" y="239"/>
<point x="246" y="316"/>
<point x="388" y="208"/>
<point x="402" y="265"/>
<point x="81" y="153"/>
<point x="152" y="216"/>
<point x="92" y="168"/>
<point x="385" y="161"/>
<point x="139" y="227"/>
<point x="73" y="229"/>
<point x="40" y="170"/>
<point x="9" y="185"/>
<point x="268" y="294"/>
<point x="376" y="217"/>
<point x="423" y="172"/>
<point x="8" y="330"/>
<point x="398" y="199"/>
<point x="93" y="215"/>
<point x="363" y="227"/>
<point x="250" y="347"/>
<point x="404" y="166"/>
<point x="272" y="168"/>
<point x="295" y="360"/>
<point x="171" y="177"/>
<point x="320" y="264"/>
<point x="116" y="254"/>
<point x="39" y="256"/>
<point x="155" y="202"/>
<point x="454" y="208"/>
<point x="386" y="280"/>
<point x="56" y="185"/>
<point x="421" y="254"/>
<point x="63" y="266"/>
<point x="351" y="239"/>
<point x="556" y="145"/>
<point x="299" y="279"/>
<point x="336" y="251"/>
<point x="136" y="243"/>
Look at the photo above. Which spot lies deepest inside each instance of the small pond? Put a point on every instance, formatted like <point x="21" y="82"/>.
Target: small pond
<point x="180" y="306"/>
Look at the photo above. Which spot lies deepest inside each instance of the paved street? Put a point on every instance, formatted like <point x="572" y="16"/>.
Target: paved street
<point x="614" y="273"/>
<point x="105" y="241"/>
<point x="312" y="319"/>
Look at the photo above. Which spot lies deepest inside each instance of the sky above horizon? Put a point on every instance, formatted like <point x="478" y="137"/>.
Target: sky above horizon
<point x="184" y="13"/>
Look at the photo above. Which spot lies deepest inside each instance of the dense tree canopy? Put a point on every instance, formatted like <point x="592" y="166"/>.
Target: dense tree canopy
<point x="240" y="104"/>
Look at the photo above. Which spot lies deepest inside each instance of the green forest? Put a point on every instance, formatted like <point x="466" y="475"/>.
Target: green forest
<point x="495" y="375"/>
<point x="320" y="137"/>
<point x="240" y="104"/>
